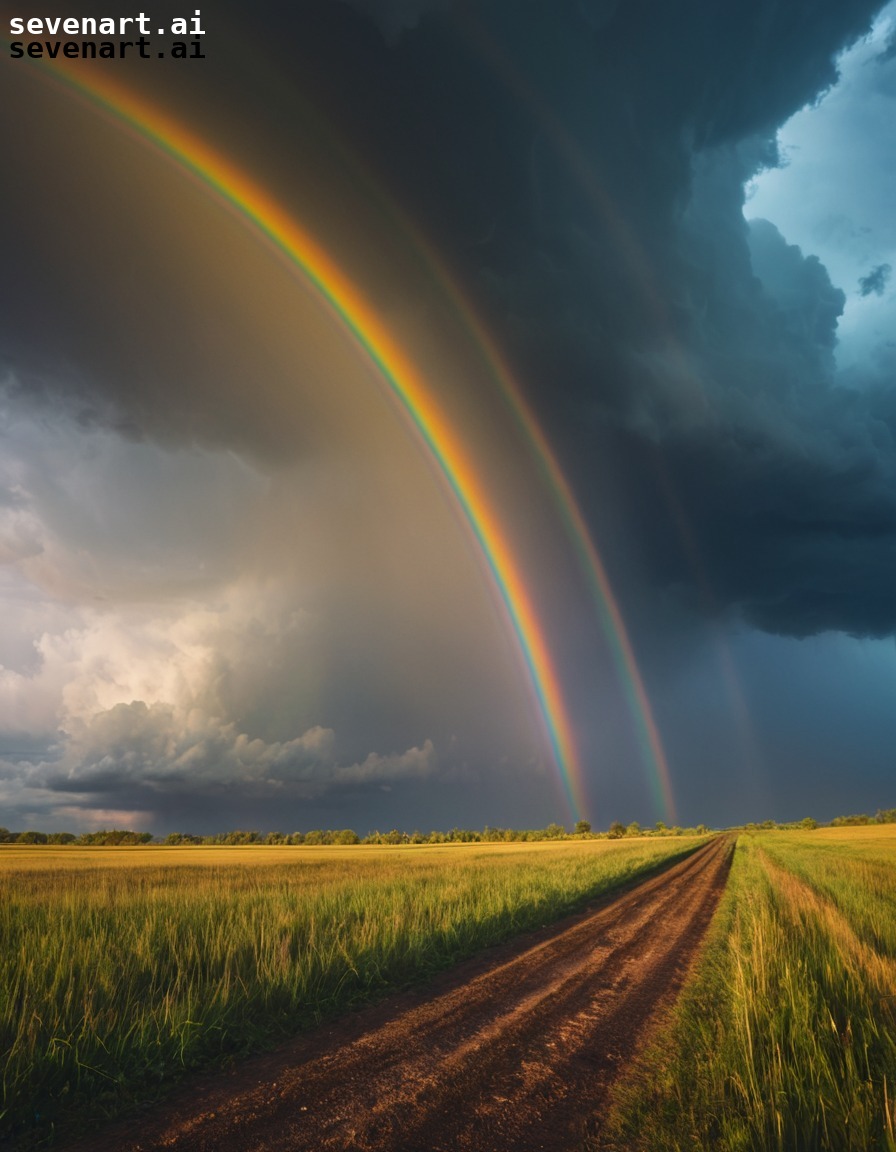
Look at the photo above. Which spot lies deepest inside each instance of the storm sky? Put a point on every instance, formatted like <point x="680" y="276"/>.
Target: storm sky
<point x="237" y="592"/>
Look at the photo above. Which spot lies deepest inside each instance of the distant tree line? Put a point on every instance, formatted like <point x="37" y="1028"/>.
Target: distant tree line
<point x="117" y="837"/>
<point x="487" y="835"/>
<point x="882" y="816"/>
<point x="318" y="836"/>
<point x="112" y="837"/>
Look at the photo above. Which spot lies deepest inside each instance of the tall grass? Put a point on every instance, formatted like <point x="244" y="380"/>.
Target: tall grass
<point x="786" y="1040"/>
<point x="121" y="968"/>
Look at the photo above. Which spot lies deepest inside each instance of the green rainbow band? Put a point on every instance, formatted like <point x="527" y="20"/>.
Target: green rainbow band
<point x="257" y="209"/>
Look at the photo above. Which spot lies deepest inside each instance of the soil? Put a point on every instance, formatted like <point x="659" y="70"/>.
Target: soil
<point x="513" y="1051"/>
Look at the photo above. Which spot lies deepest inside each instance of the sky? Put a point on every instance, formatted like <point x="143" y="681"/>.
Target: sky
<point x="568" y="491"/>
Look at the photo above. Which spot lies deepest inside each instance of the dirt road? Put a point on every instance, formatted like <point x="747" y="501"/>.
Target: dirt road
<point x="510" y="1053"/>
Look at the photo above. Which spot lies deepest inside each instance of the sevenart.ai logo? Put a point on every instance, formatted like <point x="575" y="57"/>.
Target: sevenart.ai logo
<point x="107" y="37"/>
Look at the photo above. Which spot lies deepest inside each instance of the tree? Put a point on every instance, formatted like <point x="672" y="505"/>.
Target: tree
<point x="616" y="830"/>
<point x="634" y="829"/>
<point x="114" y="837"/>
<point x="238" y="836"/>
<point x="583" y="827"/>
<point x="808" y="823"/>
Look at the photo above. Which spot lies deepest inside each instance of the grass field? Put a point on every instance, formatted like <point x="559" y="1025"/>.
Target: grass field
<point x="122" y="967"/>
<point x="786" y="1040"/>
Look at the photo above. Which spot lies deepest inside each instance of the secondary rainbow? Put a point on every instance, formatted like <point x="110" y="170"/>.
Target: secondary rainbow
<point x="652" y="751"/>
<point x="601" y="590"/>
<point x="257" y="208"/>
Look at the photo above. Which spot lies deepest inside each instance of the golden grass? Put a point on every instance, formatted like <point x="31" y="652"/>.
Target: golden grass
<point x="14" y="857"/>
<point x="860" y="838"/>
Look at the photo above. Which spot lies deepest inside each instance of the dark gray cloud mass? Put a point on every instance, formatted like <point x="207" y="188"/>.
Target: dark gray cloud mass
<point x="876" y="281"/>
<point x="584" y="167"/>
<point x="581" y="166"/>
<point x="587" y="176"/>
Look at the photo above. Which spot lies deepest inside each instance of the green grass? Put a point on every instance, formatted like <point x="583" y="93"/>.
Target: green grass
<point x="121" y="968"/>
<point x="785" y="1041"/>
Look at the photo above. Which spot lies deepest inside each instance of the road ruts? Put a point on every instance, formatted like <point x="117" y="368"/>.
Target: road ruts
<point x="517" y="1058"/>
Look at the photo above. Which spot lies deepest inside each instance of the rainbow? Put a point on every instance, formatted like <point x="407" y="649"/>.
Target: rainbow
<point x="653" y="754"/>
<point x="257" y="209"/>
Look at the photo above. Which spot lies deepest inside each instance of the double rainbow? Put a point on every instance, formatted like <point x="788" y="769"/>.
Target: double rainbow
<point x="603" y="597"/>
<point x="257" y="209"/>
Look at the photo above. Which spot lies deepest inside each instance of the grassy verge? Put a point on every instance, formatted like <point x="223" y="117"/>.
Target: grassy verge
<point x="785" y="1041"/>
<point x="121" y="968"/>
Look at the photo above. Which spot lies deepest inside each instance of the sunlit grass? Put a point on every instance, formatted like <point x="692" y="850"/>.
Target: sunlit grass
<point x="121" y="967"/>
<point x="786" y="1040"/>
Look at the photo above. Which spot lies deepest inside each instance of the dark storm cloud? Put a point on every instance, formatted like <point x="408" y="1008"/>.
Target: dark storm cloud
<point x="876" y="281"/>
<point x="587" y="170"/>
<point x="584" y="166"/>
<point x="397" y="16"/>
